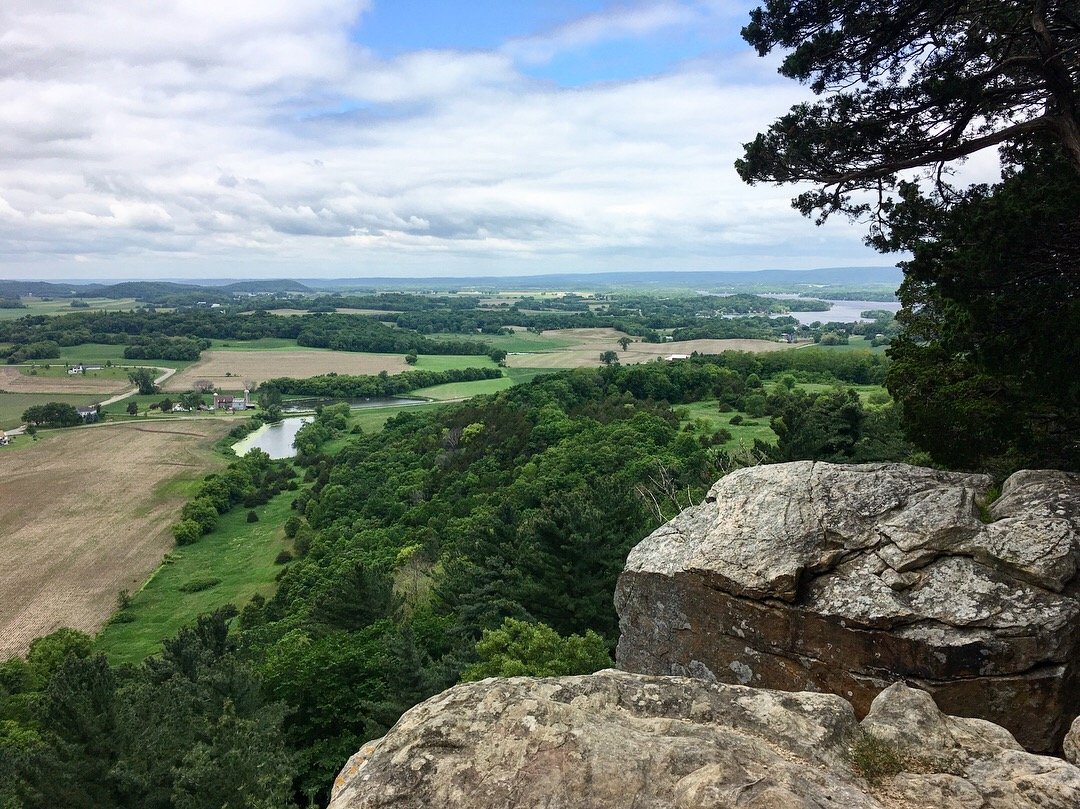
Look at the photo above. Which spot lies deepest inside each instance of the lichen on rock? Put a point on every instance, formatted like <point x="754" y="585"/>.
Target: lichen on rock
<point x="846" y="578"/>
<point x="613" y="739"/>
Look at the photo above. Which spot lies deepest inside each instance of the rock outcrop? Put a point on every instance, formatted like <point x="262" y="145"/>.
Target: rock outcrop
<point x="843" y="579"/>
<point x="613" y="740"/>
<point x="1071" y="747"/>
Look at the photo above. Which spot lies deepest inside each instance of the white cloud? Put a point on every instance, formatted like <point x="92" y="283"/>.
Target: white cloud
<point x="188" y="136"/>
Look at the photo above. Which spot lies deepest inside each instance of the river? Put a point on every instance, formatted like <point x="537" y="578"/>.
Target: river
<point x="841" y="311"/>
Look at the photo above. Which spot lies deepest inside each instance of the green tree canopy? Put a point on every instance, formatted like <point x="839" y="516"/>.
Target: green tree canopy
<point x="522" y="649"/>
<point x="983" y="367"/>
<point x="909" y="84"/>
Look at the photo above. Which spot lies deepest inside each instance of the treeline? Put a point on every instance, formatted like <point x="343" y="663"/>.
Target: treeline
<point x="39" y="350"/>
<point x="159" y="331"/>
<point x="392" y="301"/>
<point x="328" y="423"/>
<point x="344" y="386"/>
<point x="166" y="348"/>
<point x="52" y="414"/>
<point x="250" y="481"/>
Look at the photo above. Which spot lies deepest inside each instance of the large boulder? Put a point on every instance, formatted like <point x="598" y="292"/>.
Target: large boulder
<point x="811" y="576"/>
<point x="614" y="740"/>
<point x="1072" y="743"/>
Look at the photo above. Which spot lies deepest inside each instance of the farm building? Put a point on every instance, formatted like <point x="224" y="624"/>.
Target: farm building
<point x="88" y="414"/>
<point x="5" y="439"/>
<point x="232" y="402"/>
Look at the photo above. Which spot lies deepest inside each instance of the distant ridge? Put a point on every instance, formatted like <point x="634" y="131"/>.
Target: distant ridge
<point x="143" y="290"/>
<point x="678" y="279"/>
<point x="712" y="281"/>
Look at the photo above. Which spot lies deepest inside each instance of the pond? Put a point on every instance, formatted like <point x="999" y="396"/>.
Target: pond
<point x="276" y="440"/>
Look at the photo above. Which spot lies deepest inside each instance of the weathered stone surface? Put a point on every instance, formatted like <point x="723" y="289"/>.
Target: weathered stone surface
<point x="846" y="578"/>
<point x="614" y="740"/>
<point x="1072" y="743"/>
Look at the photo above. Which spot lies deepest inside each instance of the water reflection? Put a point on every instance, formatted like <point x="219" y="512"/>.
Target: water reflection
<point x="276" y="440"/>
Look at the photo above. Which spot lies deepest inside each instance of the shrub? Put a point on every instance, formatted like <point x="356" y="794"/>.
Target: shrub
<point x="875" y="758"/>
<point x="252" y="517"/>
<point x="736" y="419"/>
<point x="283" y="558"/>
<point x="186" y="532"/>
<point x="198" y="585"/>
<point x="292" y="525"/>
<point x="203" y="512"/>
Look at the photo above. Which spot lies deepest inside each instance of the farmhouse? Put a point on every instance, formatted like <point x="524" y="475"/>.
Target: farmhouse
<point x="671" y="357"/>
<point x="232" y="402"/>
<point x="88" y="414"/>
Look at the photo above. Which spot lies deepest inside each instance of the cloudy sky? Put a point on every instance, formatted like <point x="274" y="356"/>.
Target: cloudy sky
<point x="331" y="138"/>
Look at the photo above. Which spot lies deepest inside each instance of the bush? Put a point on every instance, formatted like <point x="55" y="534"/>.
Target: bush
<point x="283" y="558"/>
<point x="187" y="532"/>
<point x="202" y="511"/>
<point x="755" y="405"/>
<point x="737" y="419"/>
<point x="292" y="525"/>
<point x="875" y="758"/>
<point x="198" y="585"/>
<point x="252" y="517"/>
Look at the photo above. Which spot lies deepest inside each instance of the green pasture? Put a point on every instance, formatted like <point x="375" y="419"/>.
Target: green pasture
<point x="99" y="354"/>
<point x="450" y="362"/>
<point x="743" y="434"/>
<point x="463" y="390"/>
<point x="262" y="344"/>
<point x="865" y="391"/>
<point x="13" y="405"/>
<point x="62" y="306"/>
<point x="237" y="553"/>
<point x="855" y="343"/>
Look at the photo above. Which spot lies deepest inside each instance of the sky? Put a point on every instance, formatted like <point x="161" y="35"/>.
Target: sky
<point x="180" y="139"/>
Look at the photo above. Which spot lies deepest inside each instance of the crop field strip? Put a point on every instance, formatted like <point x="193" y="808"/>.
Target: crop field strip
<point x="86" y="514"/>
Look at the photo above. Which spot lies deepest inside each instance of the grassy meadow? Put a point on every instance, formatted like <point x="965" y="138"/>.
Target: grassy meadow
<point x="227" y="566"/>
<point x="13" y="405"/>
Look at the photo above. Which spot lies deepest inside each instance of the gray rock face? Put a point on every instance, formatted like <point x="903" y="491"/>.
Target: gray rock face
<point x="614" y="740"/>
<point x="1072" y="743"/>
<point x="845" y="578"/>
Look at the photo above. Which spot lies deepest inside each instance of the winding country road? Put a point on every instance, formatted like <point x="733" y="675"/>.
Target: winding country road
<point x="167" y="372"/>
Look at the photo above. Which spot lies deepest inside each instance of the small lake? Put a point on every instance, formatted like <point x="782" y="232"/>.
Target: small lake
<point x="276" y="440"/>
<point x="298" y="405"/>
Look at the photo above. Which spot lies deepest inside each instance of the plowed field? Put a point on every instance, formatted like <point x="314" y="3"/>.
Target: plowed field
<point x="84" y="514"/>
<point x="13" y="380"/>
<point x="589" y="343"/>
<point x="228" y="370"/>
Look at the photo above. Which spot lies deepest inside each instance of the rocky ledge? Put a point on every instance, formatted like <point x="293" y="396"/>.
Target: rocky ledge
<point x="613" y="740"/>
<point x="843" y="579"/>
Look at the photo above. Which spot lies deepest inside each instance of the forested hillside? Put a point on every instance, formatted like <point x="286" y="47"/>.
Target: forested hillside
<point x="410" y="544"/>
